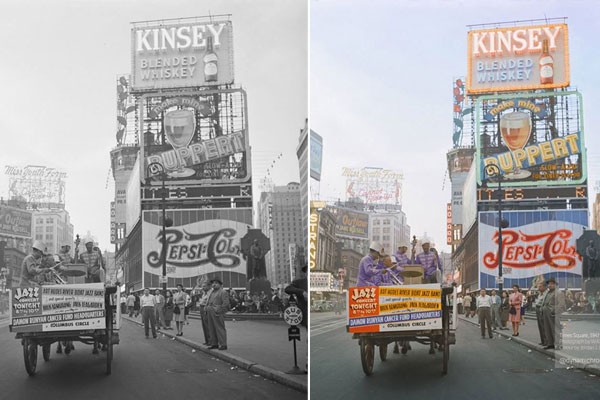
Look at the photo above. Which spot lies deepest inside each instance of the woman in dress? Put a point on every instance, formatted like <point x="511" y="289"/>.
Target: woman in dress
<point x="180" y="299"/>
<point x="169" y="306"/>
<point x="515" y="300"/>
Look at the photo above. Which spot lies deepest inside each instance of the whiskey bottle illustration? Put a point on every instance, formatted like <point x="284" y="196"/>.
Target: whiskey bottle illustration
<point x="211" y="68"/>
<point x="546" y="65"/>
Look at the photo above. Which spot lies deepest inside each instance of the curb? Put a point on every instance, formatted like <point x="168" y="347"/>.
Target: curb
<point x="556" y="354"/>
<point x="258" y="369"/>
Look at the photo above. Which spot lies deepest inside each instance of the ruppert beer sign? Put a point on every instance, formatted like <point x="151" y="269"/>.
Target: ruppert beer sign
<point x="518" y="58"/>
<point x="181" y="53"/>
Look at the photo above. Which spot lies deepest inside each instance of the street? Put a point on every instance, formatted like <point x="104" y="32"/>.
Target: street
<point x="141" y="369"/>
<point x="479" y="368"/>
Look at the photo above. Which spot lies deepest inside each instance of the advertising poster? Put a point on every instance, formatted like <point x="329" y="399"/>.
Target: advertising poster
<point x="394" y="308"/>
<point x="533" y="139"/>
<point x="15" y="222"/>
<point x="316" y="155"/>
<point x="321" y="281"/>
<point x="58" y="308"/>
<point x="518" y="58"/>
<point x="350" y="223"/>
<point x="535" y="243"/>
<point x="201" y="244"/>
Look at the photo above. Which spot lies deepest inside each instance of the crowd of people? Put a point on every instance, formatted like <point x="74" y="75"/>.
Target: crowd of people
<point x="547" y="301"/>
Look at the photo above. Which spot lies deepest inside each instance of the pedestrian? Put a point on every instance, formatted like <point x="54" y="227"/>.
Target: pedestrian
<point x="123" y="304"/>
<point x="459" y="304"/>
<point x="496" y="322"/>
<point x="524" y="308"/>
<point x="467" y="304"/>
<point x="368" y="271"/>
<point x="130" y="304"/>
<point x="504" y="307"/>
<point x="169" y="306"/>
<point x="515" y="300"/>
<point x="206" y="290"/>
<point x="179" y="299"/>
<point x="148" y="304"/>
<point x="159" y="309"/>
<point x="484" y="306"/>
<point x="136" y="305"/>
<point x="552" y="306"/>
<point x="538" y="311"/>
<point x="474" y="305"/>
<point x="217" y="306"/>
<point x="186" y="308"/>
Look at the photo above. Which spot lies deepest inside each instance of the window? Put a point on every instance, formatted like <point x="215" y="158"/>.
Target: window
<point x="49" y="229"/>
<point x="49" y="220"/>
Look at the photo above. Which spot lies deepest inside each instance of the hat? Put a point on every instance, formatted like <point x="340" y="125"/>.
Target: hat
<point x="375" y="246"/>
<point x="425" y="240"/>
<point x="551" y="279"/>
<point x="403" y="244"/>
<point x="88" y="240"/>
<point x="38" y="245"/>
<point x="216" y="280"/>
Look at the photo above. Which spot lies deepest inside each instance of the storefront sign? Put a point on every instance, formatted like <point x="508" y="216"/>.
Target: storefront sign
<point x="449" y="223"/>
<point x="175" y="55"/>
<point x="518" y="58"/>
<point x="535" y="243"/>
<point x="58" y="308"/>
<point x="394" y="308"/>
<point x="316" y="155"/>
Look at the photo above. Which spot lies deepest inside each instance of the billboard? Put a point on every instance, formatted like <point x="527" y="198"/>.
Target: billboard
<point x="200" y="244"/>
<point x="321" y="281"/>
<point x="533" y="139"/>
<point x="373" y="185"/>
<point x="350" y="223"/>
<point x="37" y="185"/>
<point x="15" y="222"/>
<point x="518" y="58"/>
<point x="198" y="137"/>
<point x="316" y="155"/>
<point x="535" y="243"/>
<point x="394" y="308"/>
<point x="313" y="237"/>
<point x="181" y="53"/>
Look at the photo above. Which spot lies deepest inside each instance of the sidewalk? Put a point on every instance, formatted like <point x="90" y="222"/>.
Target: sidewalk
<point x="259" y="346"/>
<point x="529" y="337"/>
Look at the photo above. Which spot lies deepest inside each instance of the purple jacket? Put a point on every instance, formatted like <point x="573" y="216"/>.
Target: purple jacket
<point x="368" y="272"/>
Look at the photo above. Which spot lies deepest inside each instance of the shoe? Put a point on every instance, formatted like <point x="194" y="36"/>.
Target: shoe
<point x="548" y="347"/>
<point x="222" y="347"/>
<point x="95" y="351"/>
<point x="517" y="334"/>
<point x="59" y="351"/>
<point x="205" y="344"/>
<point x="491" y="336"/>
<point x="213" y="347"/>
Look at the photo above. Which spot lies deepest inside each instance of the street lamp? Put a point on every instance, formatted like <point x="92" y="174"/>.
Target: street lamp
<point x="156" y="168"/>
<point x="494" y="171"/>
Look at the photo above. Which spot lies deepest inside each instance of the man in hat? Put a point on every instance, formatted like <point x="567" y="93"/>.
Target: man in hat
<point x="591" y="258"/>
<point x="402" y="259"/>
<point x="205" y="291"/>
<point x="217" y="306"/>
<point x="541" y="286"/>
<point x="368" y="269"/>
<point x="32" y="271"/>
<point x="553" y="305"/>
<point x="429" y="261"/>
<point x="65" y="254"/>
<point x="93" y="260"/>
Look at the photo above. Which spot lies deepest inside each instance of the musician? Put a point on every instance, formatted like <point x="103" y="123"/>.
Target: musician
<point x="368" y="269"/>
<point x="93" y="260"/>
<point x="32" y="271"/>
<point x="402" y="260"/>
<point x="429" y="261"/>
<point x="65" y="254"/>
<point x="389" y="272"/>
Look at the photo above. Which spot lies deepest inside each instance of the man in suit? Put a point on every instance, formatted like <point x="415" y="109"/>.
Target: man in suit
<point x="538" y="311"/>
<point x="552" y="306"/>
<point x="217" y="306"/>
<point x="496" y="320"/>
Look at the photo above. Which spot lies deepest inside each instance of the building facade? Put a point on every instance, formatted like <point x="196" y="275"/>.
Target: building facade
<point x="53" y="228"/>
<point x="390" y="229"/>
<point x="280" y="218"/>
<point x="302" y="154"/>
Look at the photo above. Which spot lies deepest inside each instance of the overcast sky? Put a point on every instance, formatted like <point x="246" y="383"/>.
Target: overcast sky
<point x="59" y="65"/>
<point x="381" y="88"/>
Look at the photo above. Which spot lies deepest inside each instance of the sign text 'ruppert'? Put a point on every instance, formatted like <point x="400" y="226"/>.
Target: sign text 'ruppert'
<point x="177" y="38"/>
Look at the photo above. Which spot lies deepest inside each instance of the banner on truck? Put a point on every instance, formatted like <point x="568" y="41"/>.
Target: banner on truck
<point x="394" y="308"/>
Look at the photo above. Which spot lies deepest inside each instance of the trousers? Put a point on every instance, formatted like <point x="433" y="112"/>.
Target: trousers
<point x="216" y="327"/>
<point x="148" y="316"/>
<point x="540" y="324"/>
<point x="485" y="318"/>
<point x="204" y="319"/>
<point x="496" y="322"/>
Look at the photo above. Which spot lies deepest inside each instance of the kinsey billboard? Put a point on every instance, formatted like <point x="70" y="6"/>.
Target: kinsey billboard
<point x="198" y="137"/>
<point x="350" y="223"/>
<point x="176" y="54"/>
<point x="534" y="243"/>
<point x="518" y="58"/>
<point x="200" y="244"/>
<point x="533" y="139"/>
<point x="15" y="222"/>
<point x="394" y="308"/>
<point x="58" y="308"/>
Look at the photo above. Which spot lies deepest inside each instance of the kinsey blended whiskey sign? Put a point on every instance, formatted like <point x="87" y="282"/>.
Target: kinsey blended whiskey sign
<point x="175" y="54"/>
<point x="529" y="139"/>
<point x="518" y="58"/>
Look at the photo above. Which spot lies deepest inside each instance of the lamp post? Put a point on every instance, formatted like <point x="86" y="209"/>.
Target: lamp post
<point x="494" y="171"/>
<point x="155" y="168"/>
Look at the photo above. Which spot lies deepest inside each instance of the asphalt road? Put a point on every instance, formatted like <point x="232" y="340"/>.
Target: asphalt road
<point x="479" y="368"/>
<point x="141" y="369"/>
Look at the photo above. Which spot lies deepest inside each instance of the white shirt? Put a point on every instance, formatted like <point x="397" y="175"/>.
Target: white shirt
<point x="147" y="301"/>
<point x="484" y="301"/>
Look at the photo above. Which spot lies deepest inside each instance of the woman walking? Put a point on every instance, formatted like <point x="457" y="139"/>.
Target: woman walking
<point x="180" y="299"/>
<point x="169" y="306"/>
<point x="515" y="301"/>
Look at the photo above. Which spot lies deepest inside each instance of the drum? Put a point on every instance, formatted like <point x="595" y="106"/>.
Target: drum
<point x="412" y="274"/>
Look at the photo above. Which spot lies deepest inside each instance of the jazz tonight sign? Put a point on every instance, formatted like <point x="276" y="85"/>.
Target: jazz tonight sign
<point x="518" y="58"/>
<point x="176" y="54"/>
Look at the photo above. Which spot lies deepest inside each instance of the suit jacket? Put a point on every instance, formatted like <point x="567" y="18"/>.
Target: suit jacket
<point x="554" y="302"/>
<point x="219" y="299"/>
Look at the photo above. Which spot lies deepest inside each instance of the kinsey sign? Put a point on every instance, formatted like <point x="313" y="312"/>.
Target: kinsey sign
<point x="535" y="243"/>
<point x="518" y="58"/>
<point x="170" y="55"/>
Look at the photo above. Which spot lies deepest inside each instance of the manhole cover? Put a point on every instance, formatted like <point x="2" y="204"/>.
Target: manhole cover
<point x="527" y="370"/>
<point x="187" y="371"/>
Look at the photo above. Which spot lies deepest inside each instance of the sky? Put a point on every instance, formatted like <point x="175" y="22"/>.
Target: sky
<point x="60" y="60"/>
<point x="381" y="75"/>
